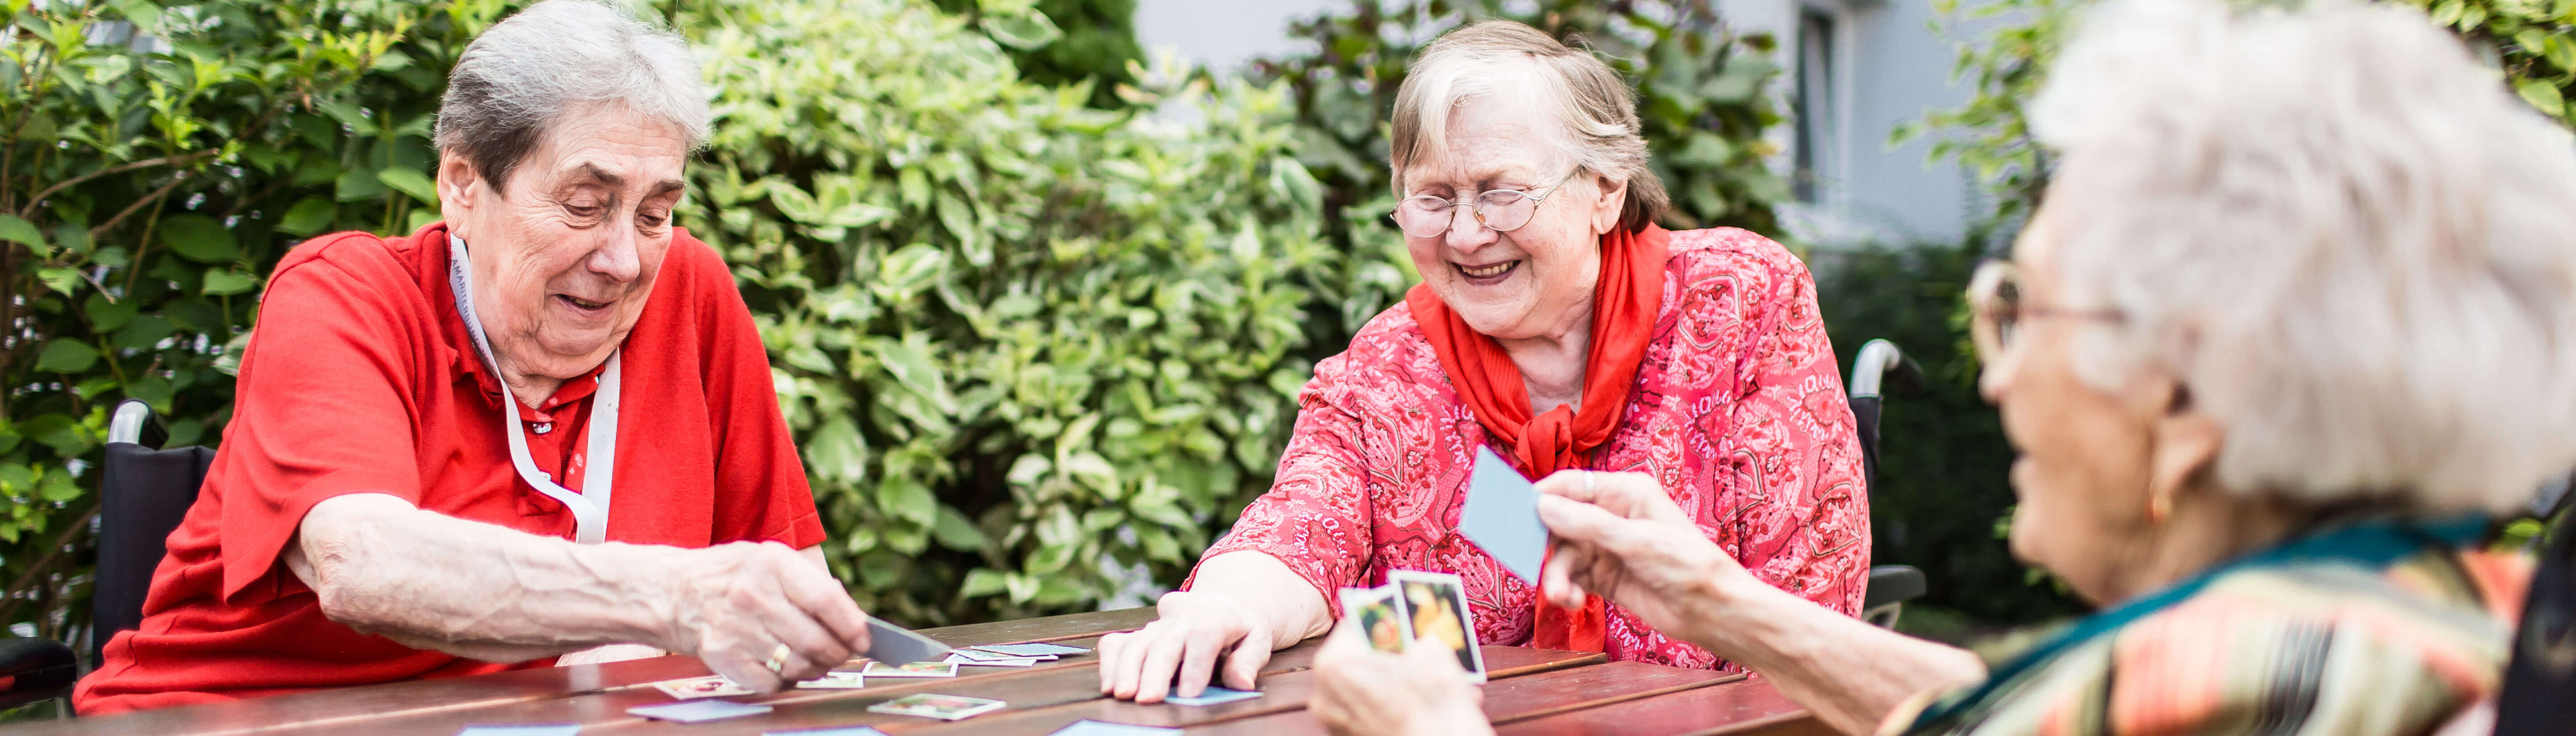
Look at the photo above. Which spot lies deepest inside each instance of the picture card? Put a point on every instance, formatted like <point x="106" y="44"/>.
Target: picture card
<point x="966" y="661"/>
<point x="1432" y="609"/>
<point x="1212" y="696"/>
<point x="914" y="669"/>
<point x="711" y="686"/>
<point x="1030" y="650"/>
<point x="1088" y="727"/>
<point x="522" y="729"/>
<point x="890" y="643"/>
<point x="1372" y="610"/>
<point x="984" y="656"/>
<point x="1501" y="516"/>
<point x="835" y="680"/>
<point x="943" y="707"/>
<point x="698" y="711"/>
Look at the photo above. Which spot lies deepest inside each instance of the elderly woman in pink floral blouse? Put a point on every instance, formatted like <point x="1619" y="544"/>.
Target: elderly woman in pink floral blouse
<point x="1559" y="326"/>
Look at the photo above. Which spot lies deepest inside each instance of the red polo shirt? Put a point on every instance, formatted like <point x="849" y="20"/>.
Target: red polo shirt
<point x="362" y="379"/>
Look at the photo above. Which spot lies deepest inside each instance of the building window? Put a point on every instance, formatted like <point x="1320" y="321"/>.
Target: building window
<point x="1814" y="103"/>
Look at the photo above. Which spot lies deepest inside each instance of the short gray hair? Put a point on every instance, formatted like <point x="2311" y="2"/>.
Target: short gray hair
<point x="1591" y="103"/>
<point x="560" y="56"/>
<point x="2340" y="232"/>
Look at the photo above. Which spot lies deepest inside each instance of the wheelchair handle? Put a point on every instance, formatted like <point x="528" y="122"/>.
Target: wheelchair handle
<point x="1876" y="358"/>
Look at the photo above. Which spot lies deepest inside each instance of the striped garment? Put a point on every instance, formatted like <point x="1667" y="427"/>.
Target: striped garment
<point x="2302" y="649"/>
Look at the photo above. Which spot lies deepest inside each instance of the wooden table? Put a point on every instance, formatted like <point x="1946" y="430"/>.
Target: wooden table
<point x="1533" y="692"/>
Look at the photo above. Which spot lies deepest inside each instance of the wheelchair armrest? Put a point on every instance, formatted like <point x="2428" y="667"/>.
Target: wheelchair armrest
<point x="1892" y="584"/>
<point x="34" y="669"/>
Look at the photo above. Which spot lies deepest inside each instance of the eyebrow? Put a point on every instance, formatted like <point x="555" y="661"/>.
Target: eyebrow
<point x="612" y="180"/>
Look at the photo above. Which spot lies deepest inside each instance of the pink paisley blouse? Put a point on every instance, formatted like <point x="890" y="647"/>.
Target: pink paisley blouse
<point x="1738" y="410"/>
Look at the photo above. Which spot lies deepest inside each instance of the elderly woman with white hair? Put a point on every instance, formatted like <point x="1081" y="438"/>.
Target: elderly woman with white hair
<point x="2297" y="317"/>
<point x="1559" y="326"/>
<point x="542" y="427"/>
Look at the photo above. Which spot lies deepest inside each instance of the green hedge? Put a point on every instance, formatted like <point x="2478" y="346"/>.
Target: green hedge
<point x="153" y="165"/>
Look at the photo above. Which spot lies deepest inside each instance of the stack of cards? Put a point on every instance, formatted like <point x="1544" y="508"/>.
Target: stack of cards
<point x="942" y="707"/>
<point x="1416" y="608"/>
<point x="1049" y="651"/>
<point x="976" y="658"/>
<point x="1212" y="696"/>
<point x="835" y="680"/>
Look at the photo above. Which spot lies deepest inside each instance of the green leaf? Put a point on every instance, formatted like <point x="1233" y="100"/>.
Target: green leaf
<point x="229" y="282"/>
<point x="105" y="314"/>
<point x="954" y="531"/>
<point x="904" y="498"/>
<point x="2543" y="94"/>
<point x="309" y="215"/>
<point x="199" y="238"/>
<point x="74" y="237"/>
<point x="61" y="279"/>
<point x="18" y="230"/>
<point x="66" y="355"/>
<point x="1023" y="31"/>
<point x="410" y="181"/>
<point x="982" y="581"/>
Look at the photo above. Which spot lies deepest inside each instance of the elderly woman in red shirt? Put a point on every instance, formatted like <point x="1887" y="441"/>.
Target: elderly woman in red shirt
<point x="541" y="427"/>
<point x="1559" y="326"/>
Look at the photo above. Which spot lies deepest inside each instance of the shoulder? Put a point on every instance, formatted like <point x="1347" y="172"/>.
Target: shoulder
<point x="2339" y="649"/>
<point x="1726" y="257"/>
<point x="358" y="259"/>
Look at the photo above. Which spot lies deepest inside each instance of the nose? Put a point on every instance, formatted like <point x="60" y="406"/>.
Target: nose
<point x="1467" y="232"/>
<point x="617" y="259"/>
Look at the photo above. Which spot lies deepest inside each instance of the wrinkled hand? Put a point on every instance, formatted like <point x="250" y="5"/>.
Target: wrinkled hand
<point x="1194" y="631"/>
<point x="1621" y="537"/>
<point x="735" y="603"/>
<point x="1363" y="691"/>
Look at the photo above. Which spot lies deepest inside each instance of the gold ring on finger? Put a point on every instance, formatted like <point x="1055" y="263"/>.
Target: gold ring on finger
<point x="777" y="658"/>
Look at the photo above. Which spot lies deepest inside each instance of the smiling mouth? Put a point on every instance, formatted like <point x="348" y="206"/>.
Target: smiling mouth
<point x="1492" y="271"/>
<point x="582" y="304"/>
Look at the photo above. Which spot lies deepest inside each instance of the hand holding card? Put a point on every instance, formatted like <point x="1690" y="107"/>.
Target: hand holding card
<point x="1501" y="516"/>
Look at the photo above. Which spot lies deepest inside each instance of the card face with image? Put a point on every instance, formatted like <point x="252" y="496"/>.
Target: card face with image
<point x="943" y="707"/>
<point x="711" y="686"/>
<point x="916" y="669"/>
<point x="1373" y="611"/>
<point x="1432" y="609"/>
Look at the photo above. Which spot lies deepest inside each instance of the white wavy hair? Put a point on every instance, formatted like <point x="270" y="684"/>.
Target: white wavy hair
<point x="555" y="58"/>
<point x="2338" y="230"/>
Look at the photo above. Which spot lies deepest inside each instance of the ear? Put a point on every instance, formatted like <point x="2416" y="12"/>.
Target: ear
<point x="1613" y="199"/>
<point x="458" y="186"/>
<point x="2184" y="441"/>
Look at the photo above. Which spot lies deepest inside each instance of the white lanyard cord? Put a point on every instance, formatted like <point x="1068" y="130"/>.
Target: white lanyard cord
<point x="590" y="506"/>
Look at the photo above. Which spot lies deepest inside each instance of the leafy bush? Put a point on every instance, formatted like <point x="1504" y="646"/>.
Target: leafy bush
<point x="1700" y="91"/>
<point x="1029" y="346"/>
<point x="154" y="163"/>
<point x="1064" y="42"/>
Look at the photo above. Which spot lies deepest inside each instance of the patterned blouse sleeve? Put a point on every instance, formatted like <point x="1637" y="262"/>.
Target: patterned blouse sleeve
<point x="1316" y="516"/>
<point x="1795" y="452"/>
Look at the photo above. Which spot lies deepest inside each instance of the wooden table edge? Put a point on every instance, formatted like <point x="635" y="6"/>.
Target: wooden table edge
<point x="1622" y="698"/>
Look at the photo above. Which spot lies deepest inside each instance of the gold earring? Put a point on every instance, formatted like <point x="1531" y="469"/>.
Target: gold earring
<point x="2159" y="506"/>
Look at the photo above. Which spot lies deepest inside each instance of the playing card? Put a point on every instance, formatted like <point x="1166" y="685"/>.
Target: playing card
<point x="943" y="707"/>
<point x="1373" y="611"/>
<point x="836" y="731"/>
<point x="1099" y="728"/>
<point x="915" y="669"/>
<point x="1432" y="608"/>
<point x="1212" y="696"/>
<point x="1502" y="516"/>
<point x="698" y="711"/>
<point x="984" y="656"/>
<point x="835" y="680"/>
<point x="522" y="729"/>
<point x="711" y="686"/>
<point x="1030" y="650"/>
<point x="966" y="661"/>
<point x="890" y="643"/>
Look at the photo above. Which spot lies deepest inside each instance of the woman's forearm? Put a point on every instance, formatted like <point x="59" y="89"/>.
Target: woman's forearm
<point x="1849" y="673"/>
<point x="1269" y="592"/>
<point x="478" y="590"/>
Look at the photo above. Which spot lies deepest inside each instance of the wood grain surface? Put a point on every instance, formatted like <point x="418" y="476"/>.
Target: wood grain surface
<point x="1533" y="692"/>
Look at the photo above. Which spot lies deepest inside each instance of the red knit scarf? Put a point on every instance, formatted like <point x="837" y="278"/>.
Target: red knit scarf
<point x="1623" y="321"/>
